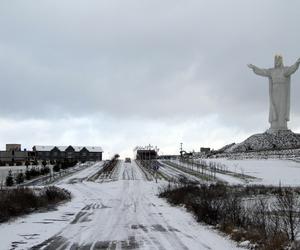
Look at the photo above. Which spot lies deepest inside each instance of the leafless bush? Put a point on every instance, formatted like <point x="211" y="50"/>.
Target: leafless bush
<point x="287" y="206"/>
<point x="18" y="201"/>
<point x="266" y="216"/>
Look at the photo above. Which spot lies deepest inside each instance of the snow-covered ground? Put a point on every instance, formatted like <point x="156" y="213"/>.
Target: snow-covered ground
<point x="176" y="174"/>
<point x="14" y="169"/>
<point x="42" y="179"/>
<point x="267" y="171"/>
<point x="124" y="213"/>
<point x="222" y="177"/>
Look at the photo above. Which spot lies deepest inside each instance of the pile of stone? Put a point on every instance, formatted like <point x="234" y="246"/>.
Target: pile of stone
<point x="276" y="140"/>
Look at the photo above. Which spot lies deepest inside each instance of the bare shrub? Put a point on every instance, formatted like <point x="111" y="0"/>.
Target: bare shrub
<point x="245" y="213"/>
<point x="21" y="200"/>
<point x="287" y="207"/>
<point x="260" y="216"/>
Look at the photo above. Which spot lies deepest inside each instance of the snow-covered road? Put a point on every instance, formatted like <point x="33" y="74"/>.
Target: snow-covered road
<point x="121" y="214"/>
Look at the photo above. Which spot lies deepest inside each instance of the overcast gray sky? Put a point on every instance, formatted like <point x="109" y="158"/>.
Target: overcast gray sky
<point x="125" y="73"/>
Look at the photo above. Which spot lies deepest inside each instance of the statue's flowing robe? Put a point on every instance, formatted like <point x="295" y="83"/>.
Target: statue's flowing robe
<point x="279" y="93"/>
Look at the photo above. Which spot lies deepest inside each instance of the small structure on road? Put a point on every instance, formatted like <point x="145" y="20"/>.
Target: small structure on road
<point x="146" y="153"/>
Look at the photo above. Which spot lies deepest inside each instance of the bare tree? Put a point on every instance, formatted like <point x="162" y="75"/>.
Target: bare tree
<point x="288" y="208"/>
<point x="261" y="215"/>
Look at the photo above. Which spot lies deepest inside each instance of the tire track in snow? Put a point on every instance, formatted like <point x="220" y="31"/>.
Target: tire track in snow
<point x="127" y="214"/>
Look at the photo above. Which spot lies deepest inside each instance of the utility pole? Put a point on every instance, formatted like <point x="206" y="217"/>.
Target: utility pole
<point x="181" y="151"/>
<point x="149" y="148"/>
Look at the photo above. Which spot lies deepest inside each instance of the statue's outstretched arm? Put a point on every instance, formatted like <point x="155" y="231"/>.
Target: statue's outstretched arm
<point x="292" y="69"/>
<point x="258" y="71"/>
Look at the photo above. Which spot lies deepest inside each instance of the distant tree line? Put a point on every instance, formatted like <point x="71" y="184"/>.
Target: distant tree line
<point x="34" y="171"/>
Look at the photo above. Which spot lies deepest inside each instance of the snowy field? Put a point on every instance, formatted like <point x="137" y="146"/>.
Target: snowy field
<point x="39" y="180"/>
<point x="124" y="213"/>
<point x="219" y="176"/>
<point x="15" y="169"/>
<point x="268" y="171"/>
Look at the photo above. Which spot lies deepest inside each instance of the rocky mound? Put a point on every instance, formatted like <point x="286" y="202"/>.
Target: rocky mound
<point x="226" y="148"/>
<point x="284" y="139"/>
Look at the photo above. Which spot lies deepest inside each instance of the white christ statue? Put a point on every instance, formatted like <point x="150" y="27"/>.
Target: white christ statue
<point x="279" y="92"/>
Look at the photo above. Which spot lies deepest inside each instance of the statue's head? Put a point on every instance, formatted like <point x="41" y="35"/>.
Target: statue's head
<point x="278" y="61"/>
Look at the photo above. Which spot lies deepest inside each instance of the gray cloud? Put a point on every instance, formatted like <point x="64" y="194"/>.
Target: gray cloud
<point x="148" y="60"/>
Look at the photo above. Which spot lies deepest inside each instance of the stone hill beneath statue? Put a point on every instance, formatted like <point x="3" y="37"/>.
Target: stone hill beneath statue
<point x="270" y="140"/>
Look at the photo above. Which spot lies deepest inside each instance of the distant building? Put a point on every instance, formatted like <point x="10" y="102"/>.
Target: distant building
<point x="146" y="154"/>
<point x="59" y="153"/>
<point x="13" y="155"/>
<point x="13" y="147"/>
<point x="205" y="150"/>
